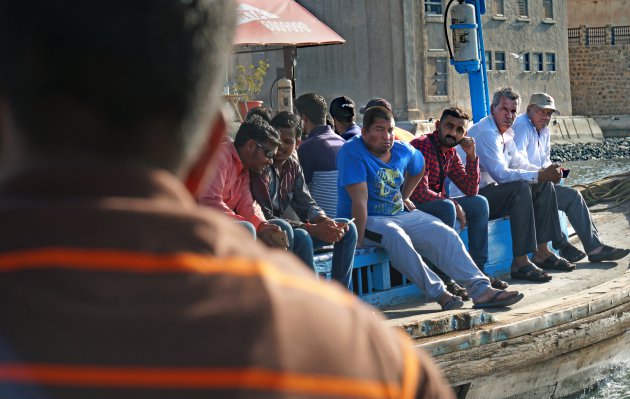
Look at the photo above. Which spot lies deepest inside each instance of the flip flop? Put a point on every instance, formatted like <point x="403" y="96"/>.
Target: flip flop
<point x="454" y="303"/>
<point x="498" y="284"/>
<point x="553" y="262"/>
<point x="571" y="253"/>
<point x="457" y="290"/>
<point x="494" y="302"/>
<point x="530" y="272"/>
<point x="608" y="254"/>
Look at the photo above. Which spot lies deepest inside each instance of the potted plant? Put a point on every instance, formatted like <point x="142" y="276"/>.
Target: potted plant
<point x="248" y="83"/>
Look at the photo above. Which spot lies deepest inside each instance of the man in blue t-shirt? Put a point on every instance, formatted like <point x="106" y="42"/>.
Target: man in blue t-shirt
<point x="376" y="177"/>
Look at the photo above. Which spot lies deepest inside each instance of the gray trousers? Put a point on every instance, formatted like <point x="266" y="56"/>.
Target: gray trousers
<point x="533" y="212"/>
<point x="410" y="234"/>
<point x="570" y="201"/>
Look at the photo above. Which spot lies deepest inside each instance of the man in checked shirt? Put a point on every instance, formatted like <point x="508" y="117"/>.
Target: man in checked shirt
<point x="430" y="196"/>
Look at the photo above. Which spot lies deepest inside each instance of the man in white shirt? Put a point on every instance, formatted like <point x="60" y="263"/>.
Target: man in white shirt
<point x="532" y="137"/>
<point x="519" y="189"/>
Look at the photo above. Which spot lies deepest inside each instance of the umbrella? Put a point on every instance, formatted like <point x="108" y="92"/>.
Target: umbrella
<point x="280" y="23"/>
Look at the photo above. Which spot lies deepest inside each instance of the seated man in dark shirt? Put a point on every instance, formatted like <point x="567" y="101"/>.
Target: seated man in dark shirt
<point x="281" y="187"/>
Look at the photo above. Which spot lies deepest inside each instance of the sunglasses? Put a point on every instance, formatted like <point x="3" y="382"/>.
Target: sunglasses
<point x="269" y="154"/>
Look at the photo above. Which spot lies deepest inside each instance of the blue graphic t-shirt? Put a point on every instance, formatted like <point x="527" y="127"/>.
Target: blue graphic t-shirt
<point x="357" y="165"/>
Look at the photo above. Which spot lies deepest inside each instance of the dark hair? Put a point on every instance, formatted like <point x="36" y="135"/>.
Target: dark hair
<point x="288" y="120"/>
<point x="106" y="78"/>
<point x="455" y="113"/>
<point x="313" y="106"/>
<point x="264" y="113"/>
<point x="373" y="113"/>
<point x="257" y="129"/>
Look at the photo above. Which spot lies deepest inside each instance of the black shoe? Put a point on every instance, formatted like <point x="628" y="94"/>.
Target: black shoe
<point x="571" y="253"/>
<point x="457" y="290"/>
<point x="608" y="253"/>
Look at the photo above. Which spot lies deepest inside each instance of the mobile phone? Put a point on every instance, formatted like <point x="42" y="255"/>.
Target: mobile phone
<point x="565" y="172"/>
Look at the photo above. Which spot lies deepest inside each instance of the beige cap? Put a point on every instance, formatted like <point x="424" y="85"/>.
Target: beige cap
<point x="544" y="101"/>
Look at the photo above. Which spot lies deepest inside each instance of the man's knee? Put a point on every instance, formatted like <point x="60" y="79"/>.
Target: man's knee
<point x="351" y="232"/>
<point x="478" y="205"/>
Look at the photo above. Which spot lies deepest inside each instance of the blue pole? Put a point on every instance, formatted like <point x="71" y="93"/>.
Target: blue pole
<point x="476" y="70"/>
<point x="478" y="81"/>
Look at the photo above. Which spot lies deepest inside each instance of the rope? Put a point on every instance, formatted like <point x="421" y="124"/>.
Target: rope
<point x="615" y="189"/>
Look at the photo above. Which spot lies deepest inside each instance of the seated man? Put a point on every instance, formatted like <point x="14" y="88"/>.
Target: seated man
<point x="253" y="149"/>
<point x="399" y="134"/>
<point x="281" y="186"/>
<point x="441" y="162"/>
<point x="106" y="260"/>
<point x="343" y="114"/>
<point x="318" y="152"/>
<point x="532" y="138"/>
<point x="519" y="189"/>
<point x="376" y="176"/>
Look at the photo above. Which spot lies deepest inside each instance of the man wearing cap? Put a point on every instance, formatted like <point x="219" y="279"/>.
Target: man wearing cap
<point x="318" y="152"/>
<point x="342" y="111"/>
<point x="399" y="134"/>
<point x="532" y="137"/>
<point x="519" y="189"/>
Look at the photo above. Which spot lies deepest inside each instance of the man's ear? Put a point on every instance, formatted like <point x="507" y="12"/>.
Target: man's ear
<point x="201" y="170"/>
<point x="437" y="124"/>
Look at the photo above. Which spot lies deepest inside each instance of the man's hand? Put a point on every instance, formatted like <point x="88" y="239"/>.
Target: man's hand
<point x="271" y="235"/>
<point x="461" y="215"/>
<point x="468" y="145"/>
<point x="551" y="173"/>
<point x="328" y="230"/>
<point x="408" y="204"/>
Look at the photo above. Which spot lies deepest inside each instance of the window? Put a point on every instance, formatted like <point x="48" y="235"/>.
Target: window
<point x="551" y="62"/>
<point x="499" y="8"/>
<point x="538" y="62"/>
<point x="488" y="60"/>
<point x="440" y="77"/>
<point x="499" y="60"/>
<point x="548" y="9"/>
<point x="526" y="66"/>
<point x="523" y="9"/>
<point x="433" y="7"/>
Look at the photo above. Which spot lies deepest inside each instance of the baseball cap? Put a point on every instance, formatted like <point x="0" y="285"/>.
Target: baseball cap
<point x="376" y="102"/>
<point x="342" y="107"/>
<point x="544" y="101"/>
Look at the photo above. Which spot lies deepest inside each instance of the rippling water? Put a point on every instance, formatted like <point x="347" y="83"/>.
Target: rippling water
<point x="616" y="386"/>
<point x="589" y="171"/>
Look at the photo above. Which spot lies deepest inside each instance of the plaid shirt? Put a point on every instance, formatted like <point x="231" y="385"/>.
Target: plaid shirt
<point x="467" y="179"/>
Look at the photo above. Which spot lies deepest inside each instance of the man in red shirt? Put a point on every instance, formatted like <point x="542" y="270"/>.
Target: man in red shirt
<point x="441" y="162"/>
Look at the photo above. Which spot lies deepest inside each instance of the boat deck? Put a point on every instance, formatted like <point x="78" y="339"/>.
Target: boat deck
<point x="551" y="344"/>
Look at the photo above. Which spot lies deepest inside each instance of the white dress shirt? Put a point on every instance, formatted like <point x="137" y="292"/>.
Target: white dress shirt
<point x="499" y="159"/>
<point x="535" y="144"/>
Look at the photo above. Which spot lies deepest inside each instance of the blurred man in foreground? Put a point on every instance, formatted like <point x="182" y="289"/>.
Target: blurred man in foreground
<point x="114" y="283"/>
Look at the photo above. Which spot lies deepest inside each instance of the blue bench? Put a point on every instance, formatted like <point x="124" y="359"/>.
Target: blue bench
<point x="376" y="283"/>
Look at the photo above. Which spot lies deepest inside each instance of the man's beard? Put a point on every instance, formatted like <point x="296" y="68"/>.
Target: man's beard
<point x="448" y="143"/>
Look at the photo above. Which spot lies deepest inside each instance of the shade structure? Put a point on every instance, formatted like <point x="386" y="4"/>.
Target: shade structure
<point x="280" y="23"/>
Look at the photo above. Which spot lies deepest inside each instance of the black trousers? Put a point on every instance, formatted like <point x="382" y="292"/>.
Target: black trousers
<point x="533" y="212"/>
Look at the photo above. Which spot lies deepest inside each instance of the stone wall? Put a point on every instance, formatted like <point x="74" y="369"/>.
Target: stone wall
<point x="600" y="79"/>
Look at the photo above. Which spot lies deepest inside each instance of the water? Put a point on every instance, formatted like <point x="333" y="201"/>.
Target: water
<point x="615" y="386"/>
<point x="588" y="171"/>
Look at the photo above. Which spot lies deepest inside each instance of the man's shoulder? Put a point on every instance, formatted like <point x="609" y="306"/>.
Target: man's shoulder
<point x="422" y="143"/>
<point x="521" y="124"/>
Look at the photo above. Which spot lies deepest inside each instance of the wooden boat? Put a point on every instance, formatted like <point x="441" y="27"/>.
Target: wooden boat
<point x="555" y="342"/>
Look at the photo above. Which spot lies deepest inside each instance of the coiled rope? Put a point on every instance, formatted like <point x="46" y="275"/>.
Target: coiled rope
<point x="615" y="189"/>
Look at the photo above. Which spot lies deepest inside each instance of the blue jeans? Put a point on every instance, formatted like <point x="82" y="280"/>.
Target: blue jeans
<point x="476" y="208"/>
<point x="250" y="227"/>
<point x="302" y="245"/>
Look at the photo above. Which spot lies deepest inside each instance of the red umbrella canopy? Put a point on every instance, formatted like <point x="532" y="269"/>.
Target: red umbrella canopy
<point x="280" y="23"/>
